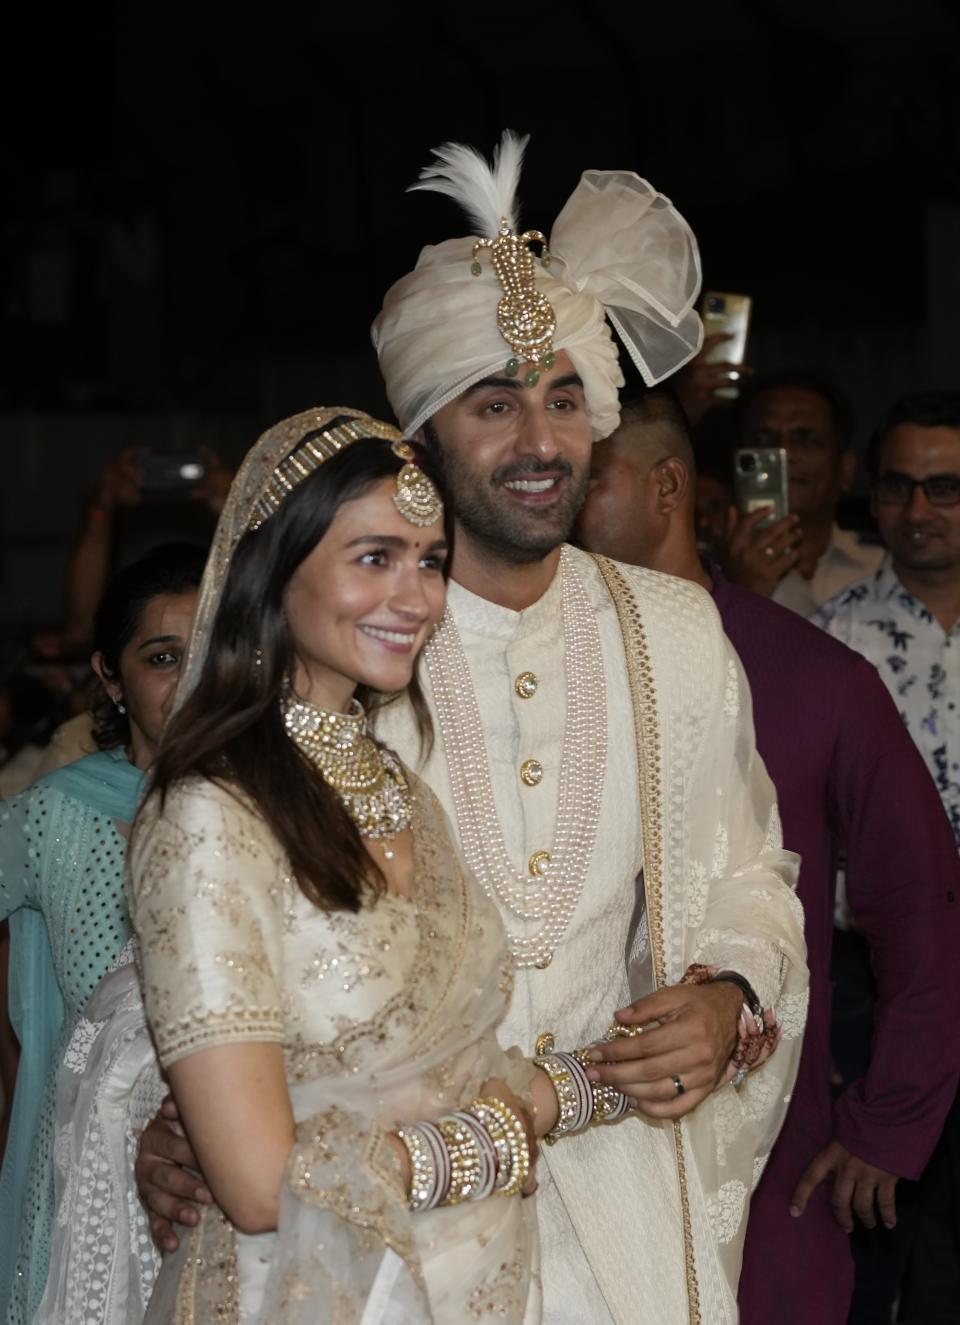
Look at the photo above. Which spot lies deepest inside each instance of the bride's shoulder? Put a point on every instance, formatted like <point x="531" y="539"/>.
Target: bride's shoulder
<point x="200" y="805"/>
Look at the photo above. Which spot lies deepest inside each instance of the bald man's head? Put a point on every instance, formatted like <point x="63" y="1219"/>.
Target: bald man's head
<point x="652" y="427"/>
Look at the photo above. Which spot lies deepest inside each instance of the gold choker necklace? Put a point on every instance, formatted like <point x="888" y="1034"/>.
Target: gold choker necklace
<point x="368" y="778"/>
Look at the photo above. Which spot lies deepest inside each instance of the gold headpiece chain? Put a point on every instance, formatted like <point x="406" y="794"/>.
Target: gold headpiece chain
<point x="525" y="318"/>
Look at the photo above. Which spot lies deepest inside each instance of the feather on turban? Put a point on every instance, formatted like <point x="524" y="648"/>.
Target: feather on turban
<point x="619" y="251"/>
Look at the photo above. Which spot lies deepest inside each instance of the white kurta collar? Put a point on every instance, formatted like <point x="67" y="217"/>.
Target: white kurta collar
<point x="473" y="613"/>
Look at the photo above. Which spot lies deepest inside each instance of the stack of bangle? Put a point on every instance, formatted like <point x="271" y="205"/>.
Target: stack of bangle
<point x="509" y="1137"/>
<point x="467" y="1155"/>
<point x="582" y="1103"/>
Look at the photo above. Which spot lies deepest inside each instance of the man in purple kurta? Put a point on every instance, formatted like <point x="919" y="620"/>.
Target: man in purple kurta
<point x="847" y="777"/>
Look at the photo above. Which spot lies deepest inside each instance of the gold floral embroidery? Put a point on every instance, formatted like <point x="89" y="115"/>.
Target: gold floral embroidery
<point x="502" y="1294"/>
<point x="348" y="968"/>
<point x="249" y="966"/>
<point x="163" y="925"/>
<point x="418" y="1008"/>
<point x="323" y="1172"/>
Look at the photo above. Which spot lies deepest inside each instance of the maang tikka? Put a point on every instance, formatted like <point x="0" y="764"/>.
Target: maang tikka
<point x="415" y="495"/>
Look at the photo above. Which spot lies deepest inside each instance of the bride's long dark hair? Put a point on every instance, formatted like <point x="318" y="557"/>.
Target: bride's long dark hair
<point x="230" y="728"/>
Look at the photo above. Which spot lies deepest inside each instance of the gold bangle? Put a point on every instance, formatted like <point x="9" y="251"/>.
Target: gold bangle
<point x="490" y="1110"/>
<point x="573" y="1113"/>
<point x="464" y="1161"/>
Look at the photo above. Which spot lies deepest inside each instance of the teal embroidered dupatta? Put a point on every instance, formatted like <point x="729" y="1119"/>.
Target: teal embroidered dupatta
<point x="57" y="840"/>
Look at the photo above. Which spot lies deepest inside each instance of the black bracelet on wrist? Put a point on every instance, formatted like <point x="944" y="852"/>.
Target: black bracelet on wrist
<point x="745" y="987"/>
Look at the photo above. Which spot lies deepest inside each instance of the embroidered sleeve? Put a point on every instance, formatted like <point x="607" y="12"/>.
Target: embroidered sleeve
<point x="203" y="885"/>
<point x="18" y="855"/>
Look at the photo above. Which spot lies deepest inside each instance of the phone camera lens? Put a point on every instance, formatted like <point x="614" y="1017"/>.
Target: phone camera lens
<point x="748" y="464"/>
<point x="716" y="304"/>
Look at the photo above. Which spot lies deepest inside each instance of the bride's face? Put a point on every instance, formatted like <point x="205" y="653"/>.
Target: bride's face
<point x="363" y="603"/>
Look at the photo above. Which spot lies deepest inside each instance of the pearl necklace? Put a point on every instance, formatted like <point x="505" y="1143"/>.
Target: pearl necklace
<point x="548" y="896"/>
<point x="367" y="777"/>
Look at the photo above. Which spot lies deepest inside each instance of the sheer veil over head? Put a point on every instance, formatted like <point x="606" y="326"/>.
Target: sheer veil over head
<point x="270" y="470"/>
<point x="619" y="253"/>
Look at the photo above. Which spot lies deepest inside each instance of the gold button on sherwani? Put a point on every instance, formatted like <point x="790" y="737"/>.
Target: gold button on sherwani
<point x="526" y="685"/>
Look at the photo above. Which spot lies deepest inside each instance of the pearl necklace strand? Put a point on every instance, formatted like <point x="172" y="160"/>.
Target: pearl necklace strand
<point x="549" y="897"/>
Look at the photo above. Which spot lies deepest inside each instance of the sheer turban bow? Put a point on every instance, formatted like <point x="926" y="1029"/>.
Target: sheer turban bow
<point x="618" y="252"/>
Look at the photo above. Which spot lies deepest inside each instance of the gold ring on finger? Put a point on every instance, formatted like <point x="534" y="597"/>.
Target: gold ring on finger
<point x="619" y="1032"/>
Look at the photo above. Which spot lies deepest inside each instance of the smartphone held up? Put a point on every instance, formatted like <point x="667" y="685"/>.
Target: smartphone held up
<point x="171" y="474"/>
<point x="728" y="315"/>
<point x="760" y="480"/>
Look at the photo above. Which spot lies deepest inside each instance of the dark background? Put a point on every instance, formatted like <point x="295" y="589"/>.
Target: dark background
<point x="205" y="203"/>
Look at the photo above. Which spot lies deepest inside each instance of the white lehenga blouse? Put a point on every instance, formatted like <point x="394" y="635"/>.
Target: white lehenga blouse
<point x="386" y="1016"/>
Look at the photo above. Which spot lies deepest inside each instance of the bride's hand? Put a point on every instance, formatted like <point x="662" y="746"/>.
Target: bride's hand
<point x="543" y="1102"/>
<point x="536" y="1122"/>
<point x="403" y="1159"/>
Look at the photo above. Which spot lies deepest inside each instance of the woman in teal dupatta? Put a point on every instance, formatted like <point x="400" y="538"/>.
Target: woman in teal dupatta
<point x="62" y="845"/>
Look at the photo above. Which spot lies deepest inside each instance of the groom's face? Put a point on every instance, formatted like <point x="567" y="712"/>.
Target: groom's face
<point x="516" y="460"/>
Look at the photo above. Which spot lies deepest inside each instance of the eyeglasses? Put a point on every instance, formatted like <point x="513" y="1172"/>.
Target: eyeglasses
<point x="894" y="489"/>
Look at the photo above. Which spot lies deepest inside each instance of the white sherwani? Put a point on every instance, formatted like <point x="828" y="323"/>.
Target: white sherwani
<point x="636" y="1224"/>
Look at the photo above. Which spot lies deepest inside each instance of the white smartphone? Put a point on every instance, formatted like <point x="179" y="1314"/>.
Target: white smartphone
<point x="726" y="314"/>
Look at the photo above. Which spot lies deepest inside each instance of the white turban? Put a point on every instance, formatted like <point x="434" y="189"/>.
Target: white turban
<point x="619" y="250"/>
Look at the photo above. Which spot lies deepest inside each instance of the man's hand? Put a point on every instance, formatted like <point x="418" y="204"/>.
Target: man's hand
<point x="757" y="558"/>
<point x="167" y="1188"/>
<point x="859" y="1188"/>
<point x="121" y="483"/>
<point x="689" y="1032"/>
<point x="212" y="492"/>
<point x="698" y="381"/>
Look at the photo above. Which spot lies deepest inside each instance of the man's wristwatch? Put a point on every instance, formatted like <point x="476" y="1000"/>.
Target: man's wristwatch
<point x="751" y="1002"/>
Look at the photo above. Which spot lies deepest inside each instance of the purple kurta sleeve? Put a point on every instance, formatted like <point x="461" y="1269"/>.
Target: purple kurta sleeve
<point x="903" y="887"/>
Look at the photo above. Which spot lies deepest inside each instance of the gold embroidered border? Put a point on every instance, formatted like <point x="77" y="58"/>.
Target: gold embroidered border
<point x="209" y="1287"/>
<point x="643" y="696"/>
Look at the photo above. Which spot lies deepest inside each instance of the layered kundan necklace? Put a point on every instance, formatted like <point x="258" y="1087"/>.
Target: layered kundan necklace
<point x="367" y="777"/>
<point x="545" y="892"/>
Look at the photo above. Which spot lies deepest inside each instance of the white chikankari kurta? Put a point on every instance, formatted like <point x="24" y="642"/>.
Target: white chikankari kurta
<point x="612" y="1203"/>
